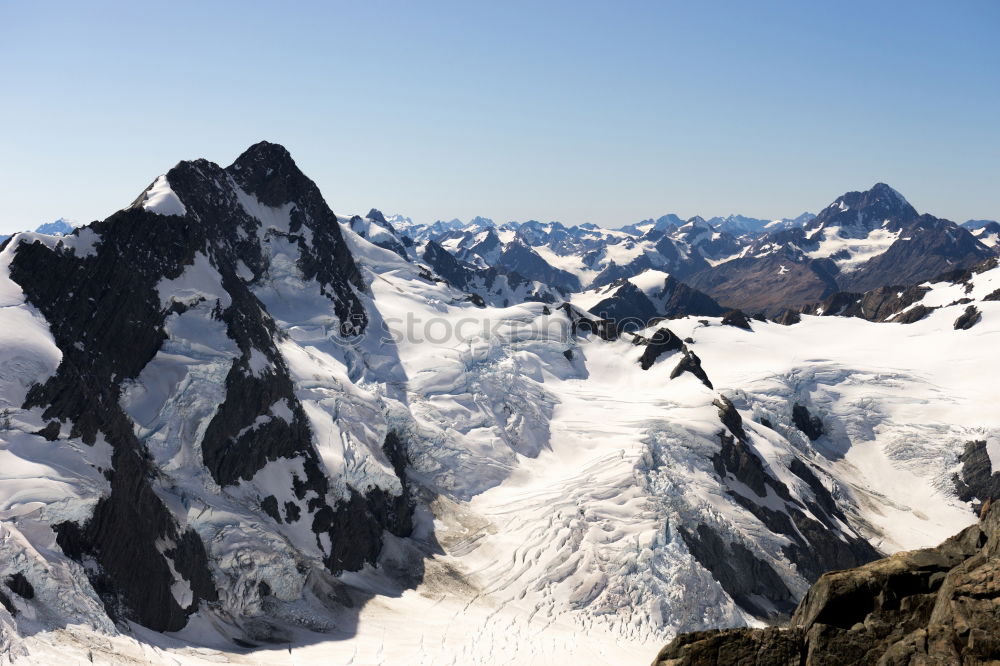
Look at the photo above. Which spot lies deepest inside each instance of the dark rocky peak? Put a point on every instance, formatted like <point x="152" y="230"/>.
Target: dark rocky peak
<point x="788" y="318"/>
<point x="520" y="258"/>
<point x="663" y="341"/>
<point x="976" y="482"/>
<point x="437" y="256"/>
<point x="968" y="319"/>
<point x="679" y="300"/>
<point x="691" y="363"/>
<point x="613" y="272"/>
<point x="376" y="216"/>
<point x="215" y="221"/>
<point x="268" y="171"/>
<point x="869" y="209"/>
<point x="626" y="303"/>
<point x="810" y="424"/>
<point x="730" y="417"/>
<point x="489" y="241"/>
<point x="533" y="232"/>
<point x="818" y="541"/>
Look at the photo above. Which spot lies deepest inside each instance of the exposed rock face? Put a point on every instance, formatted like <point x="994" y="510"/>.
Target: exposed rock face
<point x="521" y="259"/>
<point x="788" y="318"/>
<point x="663" y="341"/>
<point x="487" y="286"/>
<point x="902" y="305"/>
<point x="580" y="323"/>
<point x="881" y="304"/>
<point x="968" y="319"/>
<point x="627" y="303"/>
<point x="673" y="299"/>
<point x="682" y="300"/>
<point x="976" y="481"/>
<point x="769" y="283"/>
<point x="20" y="586"/>
<point x="928" y="247"/>
<point x="749" y="580"/>
<point x="738" y="319"/>
<point x="916" y="313"/>
<point x="816" y="543"/>
<point x="931" y="606"/>
<point x="691" y="363"/>
<point x="809" y="424"/>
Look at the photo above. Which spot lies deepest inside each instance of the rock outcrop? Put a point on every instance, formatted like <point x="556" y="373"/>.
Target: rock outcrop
<point x="933" y="606"/>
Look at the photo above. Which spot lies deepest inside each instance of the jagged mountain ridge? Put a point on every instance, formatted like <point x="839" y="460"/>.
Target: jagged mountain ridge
<point x="612" y="466"/>
<point x="861" y="241"/>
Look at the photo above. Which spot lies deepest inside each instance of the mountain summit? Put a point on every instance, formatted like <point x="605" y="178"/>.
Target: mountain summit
<point x="867" y="209"/>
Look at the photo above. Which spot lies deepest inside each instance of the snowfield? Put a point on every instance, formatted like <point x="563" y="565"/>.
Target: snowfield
<point x="555" y="474"/>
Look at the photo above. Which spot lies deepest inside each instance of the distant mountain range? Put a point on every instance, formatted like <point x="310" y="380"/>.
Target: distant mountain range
<point x="861" y="241"/>
<point x="59" y="227"/>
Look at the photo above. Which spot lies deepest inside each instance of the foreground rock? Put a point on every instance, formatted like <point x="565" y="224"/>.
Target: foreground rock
<point x="932" y="606"/>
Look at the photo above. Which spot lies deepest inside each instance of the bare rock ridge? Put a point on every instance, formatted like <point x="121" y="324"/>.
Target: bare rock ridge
<point x="931" y="606"/>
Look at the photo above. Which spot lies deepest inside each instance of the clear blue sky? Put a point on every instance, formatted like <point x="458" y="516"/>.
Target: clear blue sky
<point x="607" y="112"/>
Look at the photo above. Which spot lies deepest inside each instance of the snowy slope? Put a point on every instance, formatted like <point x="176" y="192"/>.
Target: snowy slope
<point x="560" y="531"/>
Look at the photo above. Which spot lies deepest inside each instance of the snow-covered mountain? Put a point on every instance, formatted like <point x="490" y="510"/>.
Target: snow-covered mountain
<point x="987" y="233"/>
<point x="62" y="226"/>
<point x="741" y="225"/>
<point x="237" y="427"/>
<point x="861" y="241"/>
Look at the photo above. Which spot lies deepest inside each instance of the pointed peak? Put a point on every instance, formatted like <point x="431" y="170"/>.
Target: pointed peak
<point x="265" y="151"/>
<point x="376" y="215"/>
<point x="875" y="205"/>
<point x="61" y="227"/>
<point x="697" y="222"/>
<point x="883" y="191"/>
<point x="268" y="171"/>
